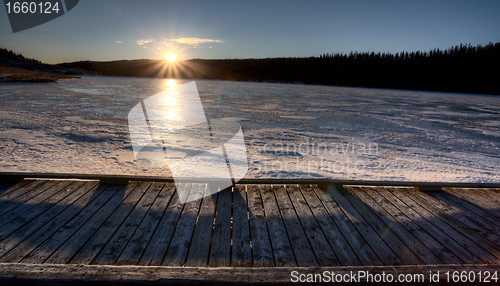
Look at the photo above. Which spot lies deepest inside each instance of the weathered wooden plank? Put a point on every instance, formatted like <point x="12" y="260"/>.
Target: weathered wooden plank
<point x="241" y="254"/>
<point x="197" y="191"/>
<point x="12" y="236"/>
<point x="5" y="187"/>
<point x="220" y="253"/>
<point x="408" y="218"/>
<point x="384" y="252"/>
<point x="319" y="243"/>
<point x="8" y="187"/>
<point x="262" y="253"/>
<point x="426" y="255"/>
<point x="179" y="246"/>
<point x="117" y="243"/>
<point x="28" y="192"/>
<point x="311" y="215"/>
<point x="137" y="275"/>
<point x="137" y="244"/>
<point x="477" y="223"/>
<point x="478" y="200"/>
<point x="159" y="242"/>
<point x="58" y="239"/>
<point x="301" y="246"/>
<point x="385" y="233"/>
<point x="282" y="249"/>
<point x="333" y="234"/>
<point x="81" y="209"/>
<point x="29" y="207"/>
<point x="21" y="189"/>
<point x="358" y="243"/>
<point x="489" y="201"/>
<point x="17" y="176"/>
<point x="467" y="208"/>
<point x="101" y="237"/>
<point x="482" y="246"/>
<point x="18" y="188"/>
<point x="492" y="193"/>
<point x="74" y="243"/>
<point x="462" y="203"/>
<point x="489" y="196"/>
<point x="434" y="226"/>
<point x="51" y="203"/>
<point x="199" y="250"/>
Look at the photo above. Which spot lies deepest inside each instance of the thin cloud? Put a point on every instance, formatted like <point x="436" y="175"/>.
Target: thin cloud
<point x="119" y="42"/>
<point x="195" y="41"/>
<point x="172" y="43"/>
<point x="166" y="43"/>
<point x="145" y="41"/>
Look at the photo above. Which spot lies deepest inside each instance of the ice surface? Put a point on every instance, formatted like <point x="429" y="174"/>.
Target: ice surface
<point x="290" y="131"/>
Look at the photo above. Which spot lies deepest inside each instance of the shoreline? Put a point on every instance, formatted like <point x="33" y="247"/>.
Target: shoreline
<point x="13" y="75"/>
<point x="294" y="83"/>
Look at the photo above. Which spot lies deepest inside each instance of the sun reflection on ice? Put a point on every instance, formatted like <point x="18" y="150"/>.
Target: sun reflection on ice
<point x="170" y="83"/>
<point x="169" y="101"/>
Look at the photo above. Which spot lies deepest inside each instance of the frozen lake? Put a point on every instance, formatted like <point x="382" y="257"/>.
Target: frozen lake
<point x="290" y="131"/>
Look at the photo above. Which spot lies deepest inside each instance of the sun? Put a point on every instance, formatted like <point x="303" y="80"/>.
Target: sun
<point x="170" y="57"/>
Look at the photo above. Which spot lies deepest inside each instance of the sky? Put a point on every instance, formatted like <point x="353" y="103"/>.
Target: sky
<point x="102" y="30"/>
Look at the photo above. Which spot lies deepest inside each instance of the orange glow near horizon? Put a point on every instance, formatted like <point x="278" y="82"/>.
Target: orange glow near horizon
<point x="171" y="68"/>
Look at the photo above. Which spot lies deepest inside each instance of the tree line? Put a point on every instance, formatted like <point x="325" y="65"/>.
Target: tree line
<point x="463" y="68"/>
<point x="18" y="55"/>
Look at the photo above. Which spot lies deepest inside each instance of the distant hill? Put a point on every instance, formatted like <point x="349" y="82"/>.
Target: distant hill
<point x="464" y="68"/>
<point x="11" y="59"/>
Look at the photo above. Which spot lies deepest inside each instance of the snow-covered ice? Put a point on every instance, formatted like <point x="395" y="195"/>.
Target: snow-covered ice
<point x="290" y="130"/>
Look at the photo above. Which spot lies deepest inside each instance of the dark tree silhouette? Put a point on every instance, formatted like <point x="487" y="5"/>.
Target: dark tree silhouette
<point x="463" y="68"/>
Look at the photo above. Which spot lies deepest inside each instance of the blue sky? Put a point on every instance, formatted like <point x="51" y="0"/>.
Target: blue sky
<point x="131" y="29"/>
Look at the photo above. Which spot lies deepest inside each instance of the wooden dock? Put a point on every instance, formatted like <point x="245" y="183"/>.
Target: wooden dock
<point x="80" y="229"/>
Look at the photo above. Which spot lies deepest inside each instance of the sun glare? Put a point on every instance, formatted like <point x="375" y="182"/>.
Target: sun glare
<point x="170" y="57"/>
<point x="170" y="83"/>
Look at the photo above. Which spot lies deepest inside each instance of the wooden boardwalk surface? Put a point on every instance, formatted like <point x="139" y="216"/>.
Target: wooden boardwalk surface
<point x="143" y="223"/>
<point x="74" y="223"/>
